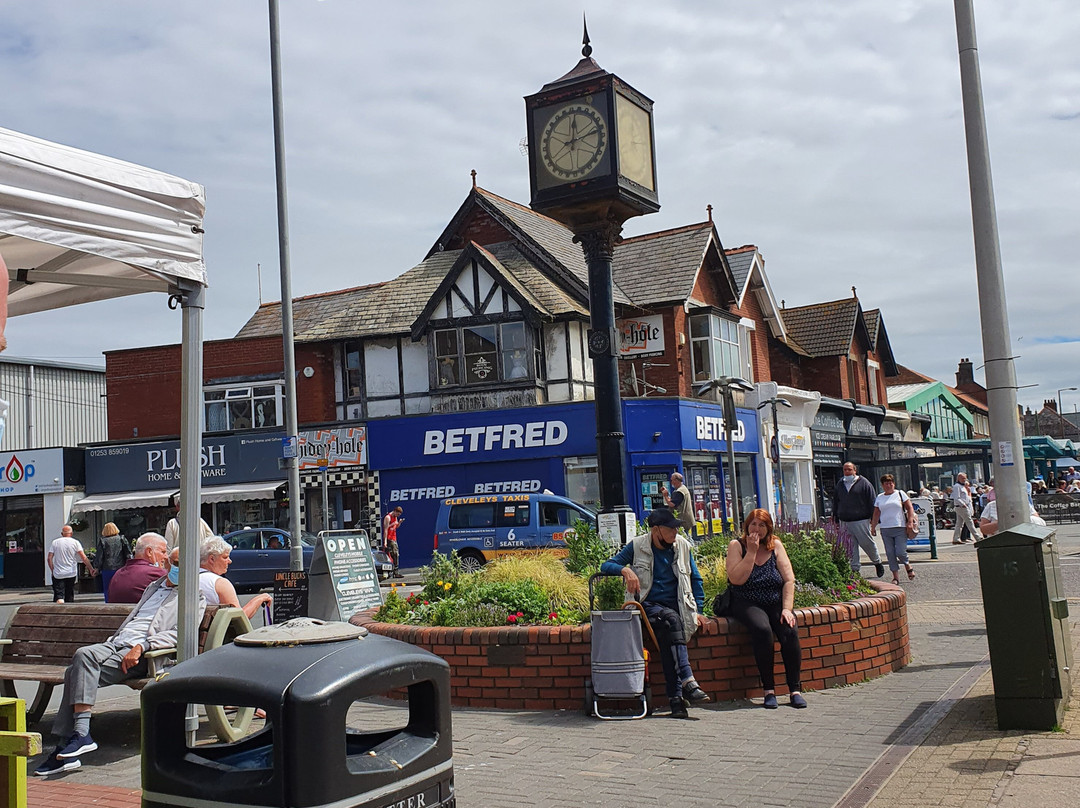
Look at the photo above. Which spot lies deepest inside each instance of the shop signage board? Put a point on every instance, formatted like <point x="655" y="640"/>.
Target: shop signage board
<point x="290" y="595"/>
<point x="343" y="578"/>
<point x="924" y="511"/>
<point x="641" y="337"/>
<point x="794" y="443"/>
<point x="703" y="429"/>
<point x="145" y="466"/>
<point x="344" y="446"/>
<point x="31" y="471"/>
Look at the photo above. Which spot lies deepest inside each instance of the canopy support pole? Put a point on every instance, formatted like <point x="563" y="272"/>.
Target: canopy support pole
<point x="192" y="302"/>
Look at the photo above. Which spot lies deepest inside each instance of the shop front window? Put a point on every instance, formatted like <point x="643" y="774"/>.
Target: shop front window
<point x="582" y="481"/>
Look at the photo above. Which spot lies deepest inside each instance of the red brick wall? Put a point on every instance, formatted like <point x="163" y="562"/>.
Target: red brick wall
<point x="759" y="339"/>
<point x="479" y="227"/>
<point x="143" y="384"/>
<point x="545" y="667"/>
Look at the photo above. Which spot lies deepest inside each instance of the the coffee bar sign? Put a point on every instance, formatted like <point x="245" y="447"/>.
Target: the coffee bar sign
<point x="339" y="447"/>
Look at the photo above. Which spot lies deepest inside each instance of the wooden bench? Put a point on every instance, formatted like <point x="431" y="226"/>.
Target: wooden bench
<point x="41" y="639"/>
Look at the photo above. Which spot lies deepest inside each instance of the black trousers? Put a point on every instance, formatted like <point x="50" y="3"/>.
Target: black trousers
<point x="763" y="622"/>
<point x="64" y="588"/>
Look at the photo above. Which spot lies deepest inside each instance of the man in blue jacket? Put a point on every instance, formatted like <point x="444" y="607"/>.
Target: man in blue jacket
<point x="853" y="505"/>
<point x="658" y="569"/>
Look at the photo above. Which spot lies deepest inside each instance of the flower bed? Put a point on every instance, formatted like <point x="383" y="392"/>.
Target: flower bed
<point x="544" y="667"/>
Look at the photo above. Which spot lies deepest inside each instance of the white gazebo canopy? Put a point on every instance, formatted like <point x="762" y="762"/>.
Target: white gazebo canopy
<point x="77" y="227"/>
<point x="100" y="227"/>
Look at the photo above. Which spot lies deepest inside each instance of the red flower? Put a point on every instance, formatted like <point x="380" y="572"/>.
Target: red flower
<point x="850" y="587"/>
<point x="512" y="618"/>
<point x="425" y="603"/>
<point x="521" y="614"/>
<point x="553" y="616"/>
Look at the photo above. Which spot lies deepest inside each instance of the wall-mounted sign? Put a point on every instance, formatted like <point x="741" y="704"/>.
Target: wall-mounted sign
<point x="863" y="427"/>
<point x="32" y="471"/>
<point x="345" y="446"/>
<point x="794" y="444"/>
<point x="641" y="336"/>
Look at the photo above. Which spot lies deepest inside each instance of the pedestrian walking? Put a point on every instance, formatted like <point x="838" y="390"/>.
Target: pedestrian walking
<point x="65" y="553"/>
<point x="681" y="504"/>
<point x="111" y="552"/>
<point x="962" y="508"/>
<point x="391" y="522"/>
<point x="894" y="512"/>
<point x="853" y="505"/>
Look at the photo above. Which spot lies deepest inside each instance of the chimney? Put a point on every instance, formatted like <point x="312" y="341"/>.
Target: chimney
<point x="1050" y="404"/>
<point x="965" y="373"/>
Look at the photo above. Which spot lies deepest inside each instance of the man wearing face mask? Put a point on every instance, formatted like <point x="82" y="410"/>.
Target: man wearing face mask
<point x="658" y="569"/>
<point x="150" y="626"/>
<point x="853" y="505"/>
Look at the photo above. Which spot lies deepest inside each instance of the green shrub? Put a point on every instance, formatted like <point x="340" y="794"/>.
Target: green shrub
<point x="586" y="551"/>
<point x="563" y="589"/>
<point x="511" y="596"/>
<point x="716" y="546"/>
<point x="813" y="561"/>
<point x="440" y="578"/>
<point x="714" y="579"/>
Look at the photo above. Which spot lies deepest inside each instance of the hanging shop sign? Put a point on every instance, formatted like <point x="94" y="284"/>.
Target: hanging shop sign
<point x="345" y="446"/>
<point x="794" y="443"/>
<point x="641" y="336"/>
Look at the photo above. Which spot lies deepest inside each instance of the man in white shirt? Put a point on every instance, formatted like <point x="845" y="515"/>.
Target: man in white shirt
<point x="151" y="626"/>
<point x="172" y="529"/>
<point x="64" y="556"/>
<point x="961" y="497"/>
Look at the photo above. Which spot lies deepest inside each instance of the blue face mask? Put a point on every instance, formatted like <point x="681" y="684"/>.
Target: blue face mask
<point x="849" y="478"/>
<point x="174" y="576"/>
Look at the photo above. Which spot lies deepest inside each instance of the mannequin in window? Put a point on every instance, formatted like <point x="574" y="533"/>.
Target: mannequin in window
<point x="517" y="370"/>
<point x="447" y="371"/>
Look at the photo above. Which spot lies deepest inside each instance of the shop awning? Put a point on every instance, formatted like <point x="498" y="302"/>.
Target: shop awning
<point x="240" y="491"/>
<point x="124" y="499"/>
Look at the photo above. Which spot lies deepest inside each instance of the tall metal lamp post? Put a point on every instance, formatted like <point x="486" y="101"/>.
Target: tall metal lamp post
<point x="727" y="385"/>
<point x="774" y="448"/>
<point x="1061" y="414"/>
<point x="591" y="168"/>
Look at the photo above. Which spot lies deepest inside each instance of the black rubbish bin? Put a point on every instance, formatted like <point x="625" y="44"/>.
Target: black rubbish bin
<point x="1027" y="626"/>
<point x="306" y="675"/>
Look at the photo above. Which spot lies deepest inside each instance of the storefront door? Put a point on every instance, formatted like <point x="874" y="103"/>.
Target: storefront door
<point x="24" y="541"/>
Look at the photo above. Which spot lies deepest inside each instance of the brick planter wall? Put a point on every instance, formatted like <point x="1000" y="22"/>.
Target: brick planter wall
<point x="545" y="667"/>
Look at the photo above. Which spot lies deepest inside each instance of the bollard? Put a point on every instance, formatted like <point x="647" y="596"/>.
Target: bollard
<point x="16" y="745"/>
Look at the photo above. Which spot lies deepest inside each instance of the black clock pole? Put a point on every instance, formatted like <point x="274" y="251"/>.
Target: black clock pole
<point x="599" y="247"/>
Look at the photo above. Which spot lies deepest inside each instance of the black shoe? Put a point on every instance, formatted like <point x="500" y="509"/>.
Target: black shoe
<point x="678" y="708"/>
<point x="770" y="702"/>
<point x="398" y="575"/>
<point x="879" y="568"/>
<point x="694" y="694"/>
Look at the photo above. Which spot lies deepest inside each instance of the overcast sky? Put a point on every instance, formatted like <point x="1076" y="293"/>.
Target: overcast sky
<point x="827" y="132"/>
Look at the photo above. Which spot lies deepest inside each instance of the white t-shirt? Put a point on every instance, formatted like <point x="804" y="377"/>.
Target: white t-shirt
<point x="961" y="496"/>
<point x="65" y="552"/>
<point x="208" y="586"/>
<point x="989" y="513"/>
<point x="891" y="507"/>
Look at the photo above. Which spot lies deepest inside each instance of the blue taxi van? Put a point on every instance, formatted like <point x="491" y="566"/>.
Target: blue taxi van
<point x="480" y="527"/>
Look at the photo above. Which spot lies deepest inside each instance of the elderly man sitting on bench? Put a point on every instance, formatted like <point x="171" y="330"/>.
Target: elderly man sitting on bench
<point x="151" y="626"/>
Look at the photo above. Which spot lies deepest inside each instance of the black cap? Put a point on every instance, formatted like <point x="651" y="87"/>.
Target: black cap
<point x="663" y="517"/>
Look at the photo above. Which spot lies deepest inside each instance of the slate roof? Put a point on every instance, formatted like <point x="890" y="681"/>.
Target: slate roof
<point x="823" y="329"/>
<point x="662" y="267"/>
<point x="740" y="260"/>
<point x="872" y="319"/>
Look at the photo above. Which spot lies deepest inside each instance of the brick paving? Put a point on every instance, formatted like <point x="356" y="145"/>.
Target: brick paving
<point x="735" y="754"/>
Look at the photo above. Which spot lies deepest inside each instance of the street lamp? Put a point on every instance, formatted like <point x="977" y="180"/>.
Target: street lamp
<point x="727" y="385"/>
<point x="774" y="449"/>
<point x="1061" y="415"/>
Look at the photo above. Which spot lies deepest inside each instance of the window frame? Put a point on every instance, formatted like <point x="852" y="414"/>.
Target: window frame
<point x="450" y="366"/>
<point x="723" y="352"/>
<point x="226" y="396"/>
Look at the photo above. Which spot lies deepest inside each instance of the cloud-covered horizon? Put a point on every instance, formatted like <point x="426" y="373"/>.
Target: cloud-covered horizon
<point x="828" y="134"/>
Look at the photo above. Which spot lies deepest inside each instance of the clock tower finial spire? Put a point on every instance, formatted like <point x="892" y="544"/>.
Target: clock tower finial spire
<point x="587" y="50"/>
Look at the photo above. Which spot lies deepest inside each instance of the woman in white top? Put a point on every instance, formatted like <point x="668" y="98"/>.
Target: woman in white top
<point x="894" y="512"/>
<point x="219" y="591"/>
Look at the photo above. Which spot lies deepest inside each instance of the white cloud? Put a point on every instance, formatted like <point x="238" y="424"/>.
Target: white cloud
<point x="828" y="133"/>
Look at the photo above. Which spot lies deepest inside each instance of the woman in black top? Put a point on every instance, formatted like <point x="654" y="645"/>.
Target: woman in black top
<point x="762" y="595"/>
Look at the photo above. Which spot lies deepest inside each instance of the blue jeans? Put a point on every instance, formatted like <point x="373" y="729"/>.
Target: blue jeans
<point x="670" y="634"/>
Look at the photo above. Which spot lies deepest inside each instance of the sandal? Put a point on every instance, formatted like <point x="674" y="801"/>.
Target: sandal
<point x="896" y="581"/>
<point x="910" y="574"/>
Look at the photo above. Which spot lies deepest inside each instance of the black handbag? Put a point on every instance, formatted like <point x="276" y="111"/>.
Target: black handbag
<point x="721" y="604"/>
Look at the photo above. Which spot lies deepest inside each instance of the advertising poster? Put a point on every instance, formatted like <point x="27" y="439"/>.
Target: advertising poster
<point x="343" y="578"/>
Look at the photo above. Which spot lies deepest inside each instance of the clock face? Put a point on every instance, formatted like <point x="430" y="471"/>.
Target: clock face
<point x="574" y="141"/>
<point x="635" y="142"/>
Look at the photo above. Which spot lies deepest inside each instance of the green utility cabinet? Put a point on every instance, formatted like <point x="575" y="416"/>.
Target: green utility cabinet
<point x="1027" y="626"/>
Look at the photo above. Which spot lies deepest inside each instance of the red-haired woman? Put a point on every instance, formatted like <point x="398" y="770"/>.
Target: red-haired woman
<point x="762" y="595"/>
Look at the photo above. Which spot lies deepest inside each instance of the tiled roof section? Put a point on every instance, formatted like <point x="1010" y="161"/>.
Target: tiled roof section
<point x="823" y="329"/>
<point x="899" y="393"/>
<point x="872" y="319"/>
<point x="909" y="376"/>
<point x="740" y="260"/>
<point x="661" y="267"/>
<point x="307" y="311"/>
<point x="547" y="296"/>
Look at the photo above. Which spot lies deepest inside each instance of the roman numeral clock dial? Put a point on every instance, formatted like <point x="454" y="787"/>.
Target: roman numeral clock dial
<point x="574" y="141"/>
